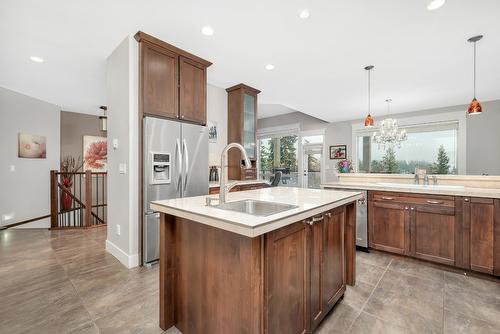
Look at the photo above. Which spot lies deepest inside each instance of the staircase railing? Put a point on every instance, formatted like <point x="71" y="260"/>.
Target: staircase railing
<point x="78" y="200"/>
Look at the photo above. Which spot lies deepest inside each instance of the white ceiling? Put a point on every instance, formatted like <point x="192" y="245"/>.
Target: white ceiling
<point x="421" y="58"/>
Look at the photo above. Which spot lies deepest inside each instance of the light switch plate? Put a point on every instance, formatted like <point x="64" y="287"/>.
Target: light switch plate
<point x="118" y="229"/>
<point x="115" y="143"/>
<point x="123" y="168"/>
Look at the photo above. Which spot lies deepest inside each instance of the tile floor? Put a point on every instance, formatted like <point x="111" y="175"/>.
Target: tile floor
<point x="65" y="282"/>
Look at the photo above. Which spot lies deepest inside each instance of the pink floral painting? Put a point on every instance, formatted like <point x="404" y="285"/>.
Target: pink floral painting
<point x="31" y="146"/>
<point x="95" y="153"/>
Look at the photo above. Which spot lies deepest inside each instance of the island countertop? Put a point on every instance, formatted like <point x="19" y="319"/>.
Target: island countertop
<point x="309" y="202"/>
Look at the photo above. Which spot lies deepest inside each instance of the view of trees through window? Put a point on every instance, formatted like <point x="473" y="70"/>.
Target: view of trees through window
<point x="279" y="154"/>
<point x="435" y="151"/>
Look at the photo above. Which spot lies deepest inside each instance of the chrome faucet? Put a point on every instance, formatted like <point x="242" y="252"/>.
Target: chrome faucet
<point x="225" y="186"/>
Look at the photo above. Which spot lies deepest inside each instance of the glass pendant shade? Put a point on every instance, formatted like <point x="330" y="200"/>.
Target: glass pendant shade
<point x="475" y="107"/>
<point x="369" y="122"/>
<point x="103" y="120"/>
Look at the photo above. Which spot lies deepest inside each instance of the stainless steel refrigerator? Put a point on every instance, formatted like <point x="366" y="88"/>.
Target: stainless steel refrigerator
<point x="176" y="165"/>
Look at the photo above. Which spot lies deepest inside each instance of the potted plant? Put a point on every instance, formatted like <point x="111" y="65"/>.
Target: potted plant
<point x="344" y="166"/>
<point x="69" y="166"/>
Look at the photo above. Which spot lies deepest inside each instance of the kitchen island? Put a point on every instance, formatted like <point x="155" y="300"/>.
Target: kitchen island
<point x="223" y="271"/>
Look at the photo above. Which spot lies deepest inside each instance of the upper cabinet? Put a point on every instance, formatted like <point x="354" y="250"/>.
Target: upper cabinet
<point x="242" y="127"/>
<point x="172" y="82"/>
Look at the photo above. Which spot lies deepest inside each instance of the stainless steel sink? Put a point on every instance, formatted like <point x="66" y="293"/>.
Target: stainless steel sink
<point x="255" y="208"/>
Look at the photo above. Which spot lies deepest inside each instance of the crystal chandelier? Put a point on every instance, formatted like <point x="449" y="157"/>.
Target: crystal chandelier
<point x="389" y="135"/>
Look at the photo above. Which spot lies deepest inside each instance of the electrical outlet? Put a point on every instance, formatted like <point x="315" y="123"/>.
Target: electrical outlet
<point x="123" y="168"/>
<point x="117" y="229"/>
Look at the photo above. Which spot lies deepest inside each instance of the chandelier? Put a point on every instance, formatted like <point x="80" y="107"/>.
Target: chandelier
<point x="389" y="135"/>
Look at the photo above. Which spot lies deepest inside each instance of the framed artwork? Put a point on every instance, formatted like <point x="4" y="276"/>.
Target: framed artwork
<point x="212" y="132"/>
<point x="95" y="153"/>
<point x="338" y="152"/>
<point x="32" y="146"/>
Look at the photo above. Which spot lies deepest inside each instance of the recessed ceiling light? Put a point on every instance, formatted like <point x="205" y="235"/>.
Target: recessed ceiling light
<point x="269" y="67"/>
<point x="207" y="31"/>
<point x="304" y="14"/>
<point x="435" y="4"/>
<point x="36" y="59"/>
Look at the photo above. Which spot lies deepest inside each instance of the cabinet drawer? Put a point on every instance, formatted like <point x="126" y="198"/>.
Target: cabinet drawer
<point x="433" y="200"/>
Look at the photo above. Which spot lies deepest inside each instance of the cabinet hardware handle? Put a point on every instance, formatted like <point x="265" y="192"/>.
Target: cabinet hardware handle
<point x="434" y="202"/>
<point x="387" y="198"/>
<point x="308" y="222"/>
<point x="412" y="208"/>
<point x="318" y="219"/>
<point x="466" y="199"/>
<point x="328" y="214"/>
<point x="406" y="208"/>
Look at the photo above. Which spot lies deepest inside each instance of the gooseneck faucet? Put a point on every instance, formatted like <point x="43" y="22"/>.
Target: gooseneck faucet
<point x="225" y="186"/>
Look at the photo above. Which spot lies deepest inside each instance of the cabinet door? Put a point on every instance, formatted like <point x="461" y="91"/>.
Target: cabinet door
<point x="389" y="226"/>
<point x="159" y="81"/>
<point x="481" y="225"/>
<point x="433" y="233"/>
<point x="192" y="91"/>
<point x="286" y="279"/>
<point x="249" y="120"/>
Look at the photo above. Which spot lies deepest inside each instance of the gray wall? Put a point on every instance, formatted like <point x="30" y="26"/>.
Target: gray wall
<point x="122" y="95"/>
<point x="26" y="192"/>
<point x="306" y="122"/>
<point x="73" y="127"/>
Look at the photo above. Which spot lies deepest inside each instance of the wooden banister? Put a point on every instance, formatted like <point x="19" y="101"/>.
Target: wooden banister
<point x="88" y="198"/>
<point x="53" y="198"/>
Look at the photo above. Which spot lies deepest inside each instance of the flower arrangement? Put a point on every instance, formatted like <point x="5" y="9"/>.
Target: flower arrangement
<point x="344" y="166"/>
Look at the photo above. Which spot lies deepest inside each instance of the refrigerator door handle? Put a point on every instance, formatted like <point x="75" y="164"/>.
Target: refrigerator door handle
<point x="186" y="155"/>
<point x="178" y="161"/>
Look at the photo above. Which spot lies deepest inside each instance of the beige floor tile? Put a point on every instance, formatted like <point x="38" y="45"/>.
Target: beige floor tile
<point x="368" y="273"/>
<point x="456" y="323"/>
<point x="416" y="268"/>
<point x="339" y="320"/>
<point x="368" y="324"/>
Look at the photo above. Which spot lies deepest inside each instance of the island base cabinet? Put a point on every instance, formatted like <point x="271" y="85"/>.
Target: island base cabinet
<point x="285" y="281"/>
<point x="306" y="276"/>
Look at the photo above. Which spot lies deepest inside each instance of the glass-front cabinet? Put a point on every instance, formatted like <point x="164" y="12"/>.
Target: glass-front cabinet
<point x="242" y="127"/>
<point x="249" y="116"/>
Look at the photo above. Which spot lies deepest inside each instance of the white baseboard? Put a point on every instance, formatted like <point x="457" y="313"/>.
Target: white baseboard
<point x="129" y="261"/>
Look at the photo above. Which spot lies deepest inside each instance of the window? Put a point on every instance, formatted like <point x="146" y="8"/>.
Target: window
<point x="279" y="153"/>
<point x="432" y="147"/>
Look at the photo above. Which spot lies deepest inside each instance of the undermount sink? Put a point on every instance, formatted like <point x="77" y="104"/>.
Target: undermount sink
<point x="255" y="208"/>
<point x="418" y="186"/>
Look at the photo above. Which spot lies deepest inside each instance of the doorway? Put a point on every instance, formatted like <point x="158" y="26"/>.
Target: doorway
<point x="312" y="161"/>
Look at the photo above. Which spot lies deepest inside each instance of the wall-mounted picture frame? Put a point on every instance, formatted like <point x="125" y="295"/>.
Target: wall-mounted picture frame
<point x="95" y="153"/>
<point x="338" y="152"/>
<point x="212" y="131"/>
<point x="31" y="146"/>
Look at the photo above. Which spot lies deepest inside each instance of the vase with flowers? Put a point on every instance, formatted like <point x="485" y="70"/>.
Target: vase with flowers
<point x="69" y="166"/>
<point x="344" y="166"/>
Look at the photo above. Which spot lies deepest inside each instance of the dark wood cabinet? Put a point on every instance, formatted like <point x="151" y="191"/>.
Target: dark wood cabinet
<point x="389" y="225"/>
<point x="480" y="220"/>
<point x="306" y="272"/>
<point x="327" y="263"/>
<point x="241" y="128"/>
<point x="172" y="82"/>
<point x="463" y="232"/>
<point x="192" y="91"/>
<point x="159" y="68"/>
<point x="287" y="280"/>
<point x="433" y="232"/>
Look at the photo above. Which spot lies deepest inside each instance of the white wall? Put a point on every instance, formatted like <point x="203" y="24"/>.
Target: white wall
<point x="123" y="192"/>
<point x="26" y="191"/>
<point x="217" y="112"/>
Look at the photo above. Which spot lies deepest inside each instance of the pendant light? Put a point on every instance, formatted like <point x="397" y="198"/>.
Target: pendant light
<point x="103" y="120"/>
<point x="369" y="121"/>
<point x="474" y="107"/>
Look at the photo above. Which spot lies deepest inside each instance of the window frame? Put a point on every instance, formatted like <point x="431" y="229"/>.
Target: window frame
<point x="421" y="122"/>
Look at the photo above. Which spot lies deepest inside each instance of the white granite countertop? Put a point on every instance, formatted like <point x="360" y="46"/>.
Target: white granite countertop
<point x="215" y="184"/>
<point x="310" y="202"/>
<point x="411" y="188"/>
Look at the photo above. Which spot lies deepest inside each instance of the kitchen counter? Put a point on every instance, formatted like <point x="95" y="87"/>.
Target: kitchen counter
<point x="411" y="188"/>
<point x="230" y="272"/>
<point x="309" y="202"/>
